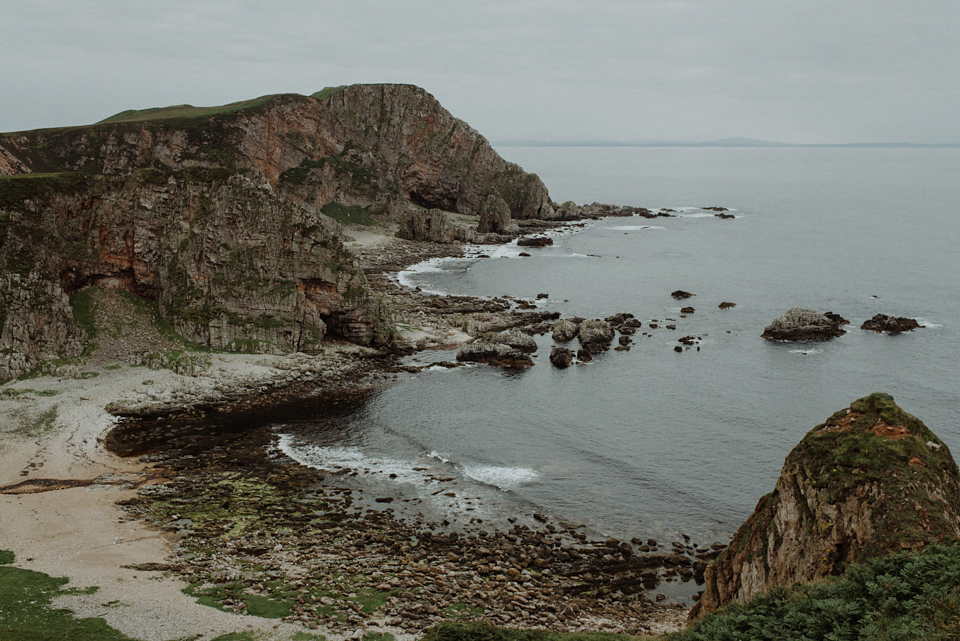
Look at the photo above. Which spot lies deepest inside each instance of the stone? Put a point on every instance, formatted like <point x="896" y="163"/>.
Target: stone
<point x="496" y="354"/>
<point x="726" y="305"/>
<point x="596" y="335"/>
<point x="569" y="211"/>
<point x="680" y="294"/>
<point x="495" y="217"/>
<point x="561" y="356"/>
<point x="565" y="330"/>
<point x="432" y="225"/>
<point x="513" y="338"/>
<point x="861" y="485"/>
<point x="535" y="241"/>
<point x="891" y="324"/>
<point x="584" y="355"/>
<point x="803" y="325"/>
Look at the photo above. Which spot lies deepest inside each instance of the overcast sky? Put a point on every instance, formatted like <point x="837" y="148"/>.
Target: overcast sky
<point x="797" y="71"/>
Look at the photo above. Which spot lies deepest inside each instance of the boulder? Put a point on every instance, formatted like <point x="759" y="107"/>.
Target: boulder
<point x="535" y="241"/>
<point x="513" y="338"/>
<point x="561" y="356"/>
<point x="495" y="217"/>
<point x="569" y="211"/>
<point x="493" y="353"/>
<point x="869" y="481"/>
<point x="565" y="330"/>
<point x="726" y="305"/>
<point x="431" y="225"/>
<point x="596" y="335"/>
<point x="890" y="324"/>
<point x="687" y="310"/>
<point x="584" y="355"/>
<point x="803" y="325"/>
<point x="680" y="294"/>
<point x="616" y="320"/>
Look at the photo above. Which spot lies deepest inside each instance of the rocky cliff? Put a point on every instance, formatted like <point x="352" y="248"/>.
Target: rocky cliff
<point x="216" y="214"/>
<point x="870" y="480"/>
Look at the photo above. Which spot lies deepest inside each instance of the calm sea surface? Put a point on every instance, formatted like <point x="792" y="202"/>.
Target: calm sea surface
<point x="651" y="442"/>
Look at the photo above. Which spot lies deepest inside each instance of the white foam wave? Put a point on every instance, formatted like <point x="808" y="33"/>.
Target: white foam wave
<point x="432" y="265"/>
<point x="339" y="458"/>
<point x="635" y="227"/>
<point x="501" y="477"/>
<point x="806" y="352"/>
<point x="438" y="456"/>
<point x="923" y="322"/>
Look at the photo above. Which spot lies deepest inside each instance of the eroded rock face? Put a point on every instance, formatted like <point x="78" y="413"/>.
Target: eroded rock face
<point x="869" y="481"/>
<point x="890" y="324"/>
<point x="495" y="217"/>
<point x="565" y="330"/>
<point x="497" y="354"/>
<point x="432" y="225"/>
<point x="232" y="265"/>
<point x="800" y="324"/>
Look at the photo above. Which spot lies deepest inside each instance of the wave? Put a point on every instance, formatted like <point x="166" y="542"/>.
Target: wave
<point x="928" y="324"/>
<point x="807" y="352"/>
<point x="635" y="227"/>
<point x="501" y="477"/>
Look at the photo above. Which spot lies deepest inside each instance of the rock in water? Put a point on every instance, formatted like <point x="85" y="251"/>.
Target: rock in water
<point x="680" y="294"/>
<point x="596" y="335"/>
<point x="493" y="353"/>
<point x="513" y="338"/>
<point x="869" y="481"/>
<point x="804" y="325"/>
<point x="565" y="330"/>
<point x="891" y="324"/>
<point x="561" y="356"/>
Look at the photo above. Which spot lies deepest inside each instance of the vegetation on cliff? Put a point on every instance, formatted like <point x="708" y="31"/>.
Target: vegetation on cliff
<point x="224" y="215"/>
<point x="870" y="481"/>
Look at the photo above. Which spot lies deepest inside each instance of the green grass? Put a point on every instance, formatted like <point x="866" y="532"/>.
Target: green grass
<point x="185" y="111"/>
<point x="478" y="631"/>
<point x="26" y="613"/>
<point x="326" y="92"/>
<point x="349" y="214"/>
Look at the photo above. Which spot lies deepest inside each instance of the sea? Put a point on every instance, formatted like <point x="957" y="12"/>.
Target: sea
<point x="651" y="442"/>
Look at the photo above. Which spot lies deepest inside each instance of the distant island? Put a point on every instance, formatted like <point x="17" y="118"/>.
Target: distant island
<point x="723" y="142"/>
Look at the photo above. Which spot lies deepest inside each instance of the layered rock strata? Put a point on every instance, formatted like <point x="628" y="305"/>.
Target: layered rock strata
<point x="869" y="481"/>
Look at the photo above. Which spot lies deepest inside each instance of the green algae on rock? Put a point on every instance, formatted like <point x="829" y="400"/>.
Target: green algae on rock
<point x="869" y="481"/>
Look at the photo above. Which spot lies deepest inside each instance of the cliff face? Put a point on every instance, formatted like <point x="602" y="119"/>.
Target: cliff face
<point x="870" y="480"/>
<point x="215" y="214"/>
<point x="232" y="265"/>
<point x="387" y="146"/>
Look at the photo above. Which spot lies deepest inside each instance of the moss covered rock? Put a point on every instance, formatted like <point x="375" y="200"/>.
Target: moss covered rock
<point x="869" y="481"/>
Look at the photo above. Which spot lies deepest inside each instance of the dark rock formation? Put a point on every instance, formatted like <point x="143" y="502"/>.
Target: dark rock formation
<point x="680" y="294"/>
<point x="535" y="241"/>
<point x="561" y="356"/>
<point x="891" y="324"/>
<point x="513" y="338"/>
<point x="431" y="225"/>
<point x="804" y="325"/>
<point x="584" y="355"/>
<point x="687" y="310"/>
<point x="869" y="481"/>
<point x="726" y="305"/>
<point x="496" y="354"/>
<point x="596" y="335"/>
<point x="495" y="217"/>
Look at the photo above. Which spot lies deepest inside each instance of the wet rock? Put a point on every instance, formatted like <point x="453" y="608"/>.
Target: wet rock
<point x="584" y="355"/>
<point x="803" y="325"/>
<point x="565" y="330"/>
<point x="726" y="305"/>
<point x="535" y="241"/>
<point x="596" y="335"/>
<point x="561" y="356"/>
<point x="493" y="353"/>
<point x="890" y="324"/>
<point x="687" y="310"/>
<point x="680" y="294"/>
<point x="512" y="338"/>
<point x="495" y="217"/>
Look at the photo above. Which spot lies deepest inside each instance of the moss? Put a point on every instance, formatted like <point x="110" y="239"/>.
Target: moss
<point x="16" y="189"/>
<point x="349" y="214"/>
<point x="326" y="92"/>
<point x="178" y="112"/>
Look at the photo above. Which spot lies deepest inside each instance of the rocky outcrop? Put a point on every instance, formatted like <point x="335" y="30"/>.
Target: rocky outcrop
<point x="561" y="356"/>
<point x="497" y="354"/>
<point x="387" y="147"/>
<point x="596" y="335"/>
<point x="495" y="217"/>
<point x="870" y="480"/>
<point x="432" y="225"/>
<point x="231" y="265"/>
<point x="216" y="214"/>
<point x="804" y="325"/>
<point x="890" y="324"/>
<point x="565" y="330"/>
<point x="513" y="338"/>
<point x="679" y="294"/>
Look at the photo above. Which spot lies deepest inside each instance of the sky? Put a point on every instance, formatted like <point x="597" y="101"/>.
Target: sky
<point x="802" y="71"/>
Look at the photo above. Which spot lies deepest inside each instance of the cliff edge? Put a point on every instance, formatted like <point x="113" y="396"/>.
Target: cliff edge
<point x="217" y="214"/>
<point x="869" y="481"/>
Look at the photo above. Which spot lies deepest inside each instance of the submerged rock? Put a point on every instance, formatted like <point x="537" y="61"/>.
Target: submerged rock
<point x="535" y="241"/>
<point x="869" y="481"/>
<point x="800" y="324"/>
<point x="891" y="324"/>
<point x="493" y="353"/>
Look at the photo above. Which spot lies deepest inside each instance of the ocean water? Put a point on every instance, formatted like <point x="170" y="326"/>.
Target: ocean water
<point x="651" y="442"/>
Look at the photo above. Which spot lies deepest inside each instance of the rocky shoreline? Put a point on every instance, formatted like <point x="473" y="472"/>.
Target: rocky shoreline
<point x="258" y="533"/>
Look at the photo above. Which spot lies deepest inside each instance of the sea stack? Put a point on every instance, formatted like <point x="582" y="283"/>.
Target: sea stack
<point x="869" y="481"/>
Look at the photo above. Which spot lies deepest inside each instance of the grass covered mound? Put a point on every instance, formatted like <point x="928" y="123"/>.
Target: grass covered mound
<point x="900" y="597"/>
